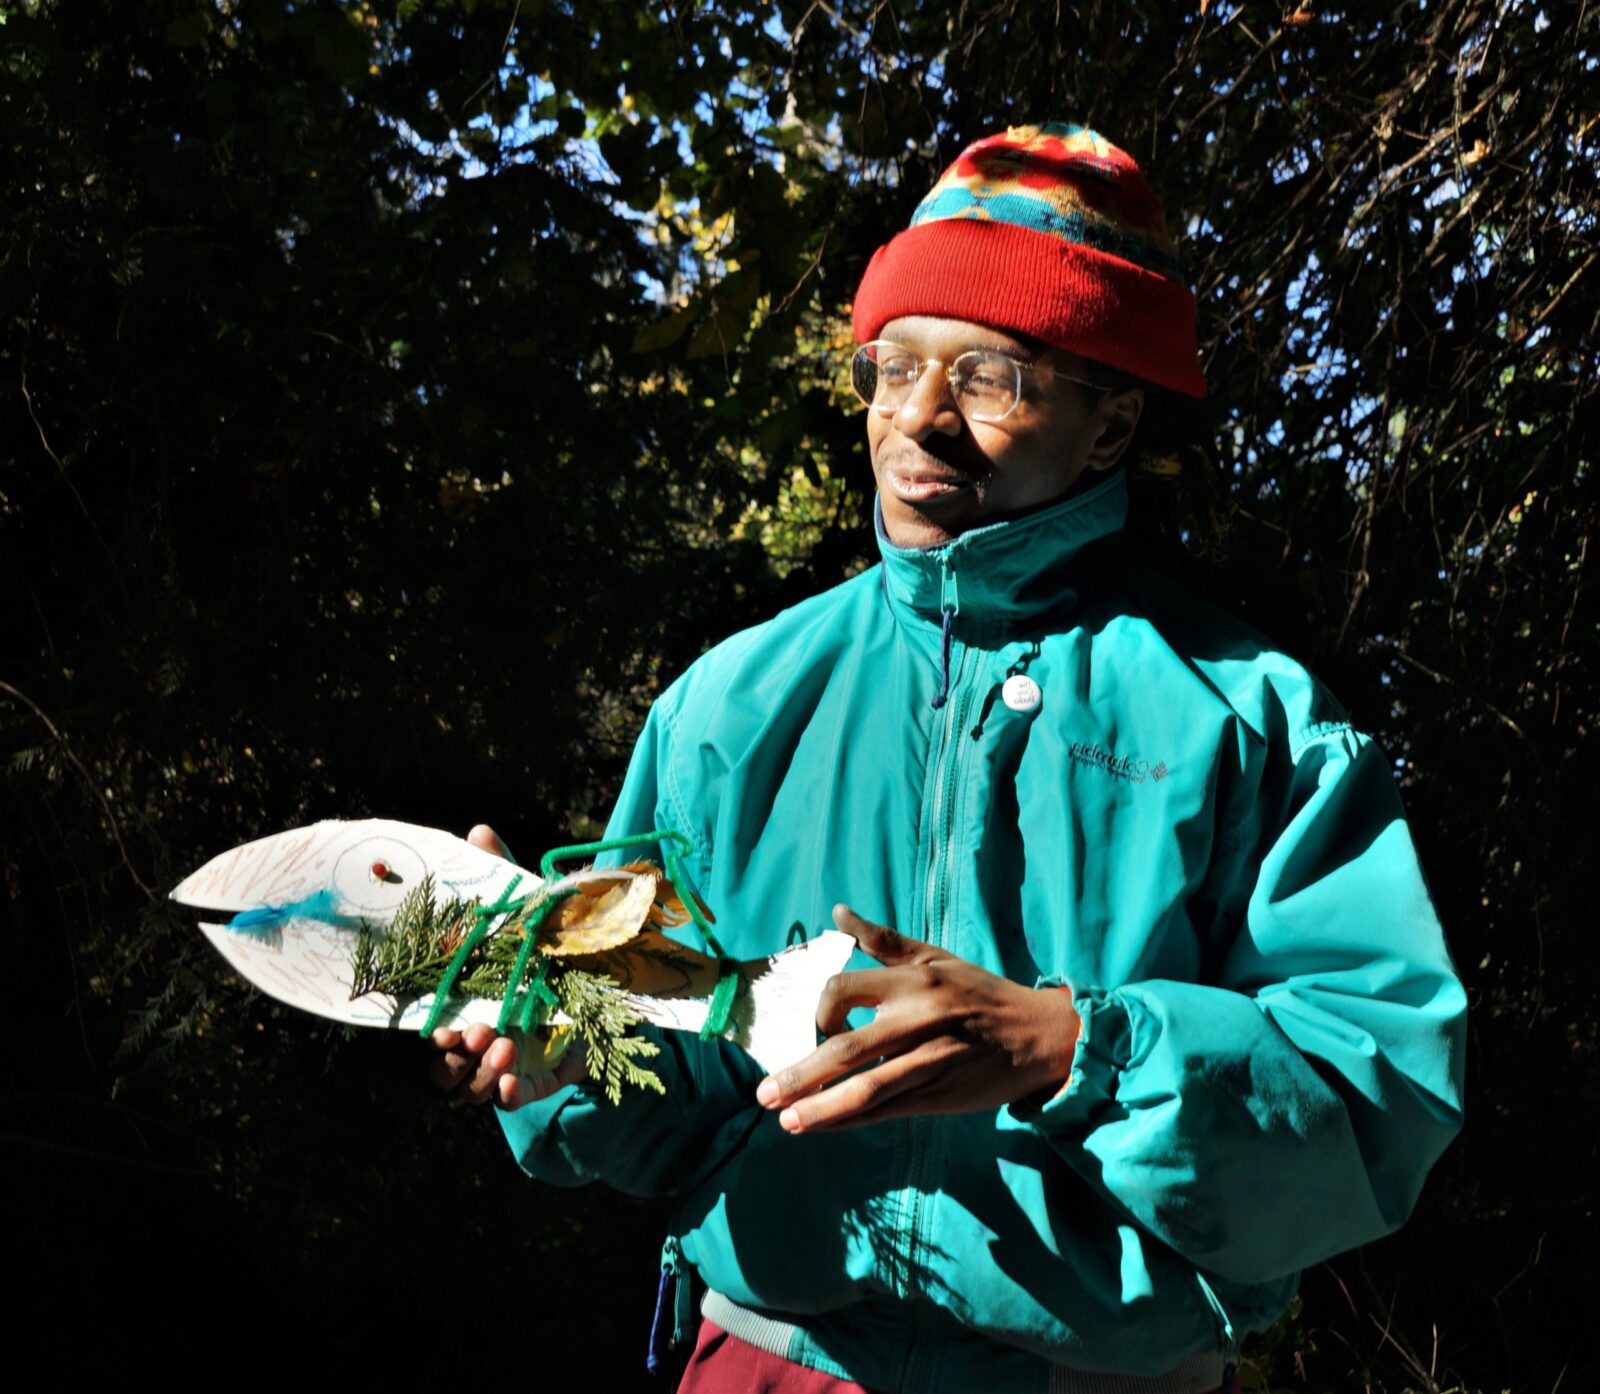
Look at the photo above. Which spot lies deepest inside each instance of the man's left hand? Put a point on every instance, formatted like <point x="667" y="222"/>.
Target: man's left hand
<point x="948" y="1037"/>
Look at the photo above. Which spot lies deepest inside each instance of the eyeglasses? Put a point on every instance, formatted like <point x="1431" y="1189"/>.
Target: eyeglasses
<point x="986" y="383"/>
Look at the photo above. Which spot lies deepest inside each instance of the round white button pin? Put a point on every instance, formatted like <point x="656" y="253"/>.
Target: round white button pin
<point x="1021" y="693"/>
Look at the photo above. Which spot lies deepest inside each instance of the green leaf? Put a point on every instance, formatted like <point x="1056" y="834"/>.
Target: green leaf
<point x="190" y="29"/>
<point x="665" y="332"/>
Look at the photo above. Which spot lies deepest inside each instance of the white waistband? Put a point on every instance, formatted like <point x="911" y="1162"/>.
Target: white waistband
<point x="1199" y="1374"/>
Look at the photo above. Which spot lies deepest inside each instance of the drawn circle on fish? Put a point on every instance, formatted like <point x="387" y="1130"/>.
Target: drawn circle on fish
<point x="362" y="893"/>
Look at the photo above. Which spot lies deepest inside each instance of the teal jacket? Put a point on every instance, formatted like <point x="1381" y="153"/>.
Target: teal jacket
<point x="1184" y="828"/>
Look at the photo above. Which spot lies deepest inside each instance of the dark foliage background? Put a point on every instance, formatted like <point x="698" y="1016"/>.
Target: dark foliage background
<point x="393" y="396"/>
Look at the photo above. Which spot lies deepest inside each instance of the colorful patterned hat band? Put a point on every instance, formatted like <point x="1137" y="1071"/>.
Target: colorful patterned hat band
<point x="1049" y="231"/>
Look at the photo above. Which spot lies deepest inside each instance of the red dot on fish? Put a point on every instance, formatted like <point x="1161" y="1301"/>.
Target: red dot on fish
<point x="380" y="871"/>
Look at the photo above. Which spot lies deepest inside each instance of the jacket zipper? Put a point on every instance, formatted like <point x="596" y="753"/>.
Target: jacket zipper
<point x="954" y="713"/>
<point x="936" y="893"/>
<point x="946" y="770"/>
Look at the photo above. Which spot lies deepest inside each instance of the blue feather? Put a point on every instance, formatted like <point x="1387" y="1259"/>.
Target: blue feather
<point x="320" y="905"/>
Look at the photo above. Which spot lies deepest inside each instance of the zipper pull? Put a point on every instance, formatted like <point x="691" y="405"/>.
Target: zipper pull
<point x="949" y="590"/>
<point x="1227" y="1338"/>
<point x="675" y="1280"/>
<point x="949" y="608"/>
<point x="682" y="1306"/>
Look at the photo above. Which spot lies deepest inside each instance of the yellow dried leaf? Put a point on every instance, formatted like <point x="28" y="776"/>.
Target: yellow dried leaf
<point x="668" y="911"/>
<point x="610" y="910"/>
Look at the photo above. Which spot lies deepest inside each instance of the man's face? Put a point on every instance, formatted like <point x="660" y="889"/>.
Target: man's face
<point x="939" y="474"/>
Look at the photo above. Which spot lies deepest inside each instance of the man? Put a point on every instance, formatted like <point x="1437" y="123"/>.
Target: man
<point x="1177" y="1019"/>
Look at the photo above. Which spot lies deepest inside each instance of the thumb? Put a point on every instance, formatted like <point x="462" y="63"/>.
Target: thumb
<point x="486" y="838"/>
<point x="886" y="945"/>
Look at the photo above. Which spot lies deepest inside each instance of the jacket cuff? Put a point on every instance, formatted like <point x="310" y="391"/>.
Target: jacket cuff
<point x="1105" y="1045"/>
<point x="543" y="1135"/>
<point x="526" y="1127"/>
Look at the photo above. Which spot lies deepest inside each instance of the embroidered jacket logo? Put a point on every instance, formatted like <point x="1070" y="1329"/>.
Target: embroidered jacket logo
<point x="1128" y="767"/>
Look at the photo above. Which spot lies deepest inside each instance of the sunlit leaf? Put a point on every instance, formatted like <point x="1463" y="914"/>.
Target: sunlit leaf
<point x="610" y="909"/>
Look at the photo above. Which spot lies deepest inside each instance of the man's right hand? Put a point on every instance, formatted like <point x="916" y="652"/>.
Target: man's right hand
<point x="478" y="1065"/>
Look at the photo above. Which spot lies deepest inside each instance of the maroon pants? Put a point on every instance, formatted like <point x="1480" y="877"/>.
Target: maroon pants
<point x="723" y="1364"/>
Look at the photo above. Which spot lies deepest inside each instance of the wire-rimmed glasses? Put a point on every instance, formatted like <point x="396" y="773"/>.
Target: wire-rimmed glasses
<point x="986" y="383"/>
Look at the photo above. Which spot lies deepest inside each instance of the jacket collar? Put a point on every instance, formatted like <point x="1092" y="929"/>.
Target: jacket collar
<point x="1007" y="573"/>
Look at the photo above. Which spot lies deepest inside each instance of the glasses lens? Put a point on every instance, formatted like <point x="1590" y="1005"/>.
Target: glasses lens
<point x="986" y="384"/>
<point x="883" y="374"/>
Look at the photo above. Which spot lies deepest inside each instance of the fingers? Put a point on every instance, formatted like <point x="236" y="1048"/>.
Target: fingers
<point x="888" y="946"/>
<point x="468" y="1073"/>
<point x="888" y="1034"/>
<point x="475" y="1039"/>
<point x="478" y="1065"/>
<point x="485" y="837"/>
<point x="479" y="1037"/>
<point x="897" y="1086"/>
<point x="499" y="1059"/>
<point x="450" y="1069"/>
<point x="472" y="1063"/>
<point x="868" y="987"/>
<point x="516" y="1091"/>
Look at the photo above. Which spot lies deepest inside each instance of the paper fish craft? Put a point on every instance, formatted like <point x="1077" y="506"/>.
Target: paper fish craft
<point x="381" y="923"/>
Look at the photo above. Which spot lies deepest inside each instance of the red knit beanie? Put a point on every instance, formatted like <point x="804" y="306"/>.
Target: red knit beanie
<point x="1049" y="231"/>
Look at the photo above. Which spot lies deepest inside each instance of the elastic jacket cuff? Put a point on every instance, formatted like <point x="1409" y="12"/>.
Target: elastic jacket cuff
<point x="1105" y="1045"/>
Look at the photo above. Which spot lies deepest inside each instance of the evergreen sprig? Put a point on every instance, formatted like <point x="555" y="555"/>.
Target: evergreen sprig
<point x="602" y="1016"/>
<point x="406" y="959"/>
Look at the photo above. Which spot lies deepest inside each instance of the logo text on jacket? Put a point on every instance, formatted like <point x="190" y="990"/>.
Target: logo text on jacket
<point x="1128" y="767"/>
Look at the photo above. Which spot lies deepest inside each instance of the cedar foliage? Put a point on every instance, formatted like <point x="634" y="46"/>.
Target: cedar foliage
<point x="409" y="957"/>
<point x="393" y="395"/>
